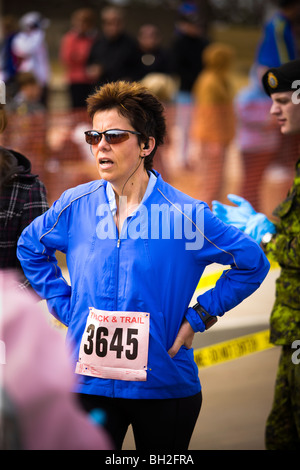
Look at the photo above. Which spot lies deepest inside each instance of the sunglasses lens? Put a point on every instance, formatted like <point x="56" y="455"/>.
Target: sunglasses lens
<point x="92" y="138"/>
<point x="116" y="137"/>
<point x="111" y="137"/>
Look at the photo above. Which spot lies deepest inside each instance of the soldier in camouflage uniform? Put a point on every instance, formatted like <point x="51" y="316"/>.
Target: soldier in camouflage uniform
<point x="281" y="242"/>
<point x="283" y="424"/>
<point x="284" y="247"/>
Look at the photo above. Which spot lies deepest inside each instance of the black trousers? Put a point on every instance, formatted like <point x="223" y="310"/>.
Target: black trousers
<point x="158" y="425"/>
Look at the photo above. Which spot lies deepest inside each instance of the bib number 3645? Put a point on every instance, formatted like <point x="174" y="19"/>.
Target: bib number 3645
<point x="98" y="341"/>
<point x="115" y="345"/>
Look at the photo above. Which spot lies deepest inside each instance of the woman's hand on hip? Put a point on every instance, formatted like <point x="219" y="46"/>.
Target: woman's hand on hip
<point x="184" y="337"/>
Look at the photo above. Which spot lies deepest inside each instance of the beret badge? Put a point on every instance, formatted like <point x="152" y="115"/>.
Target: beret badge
<point x="272" y="80"/>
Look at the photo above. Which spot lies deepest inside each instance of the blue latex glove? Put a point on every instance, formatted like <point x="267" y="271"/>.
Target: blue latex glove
<point x="244" y="217"/>
<point x="234" y="215"/>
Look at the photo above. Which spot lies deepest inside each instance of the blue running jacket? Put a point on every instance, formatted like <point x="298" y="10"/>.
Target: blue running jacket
<point x="154" y="266"/>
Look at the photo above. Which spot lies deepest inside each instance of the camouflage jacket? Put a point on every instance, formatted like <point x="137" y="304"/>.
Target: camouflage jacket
<point x="285" y="249"/>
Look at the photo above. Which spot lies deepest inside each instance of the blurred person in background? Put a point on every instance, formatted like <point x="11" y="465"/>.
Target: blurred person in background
<point x="37" y="410"/>
<point x="213" y="125"/>
<point x="280" y="239"/>
<point x="154" y="58"/>
<point x="164" y="87"/>
<point x="8" y="65"/>
<point x="30" y="48"/>
<point x="278" y="44"/>
<point x="130" y="327"/>
<point x="27" y="99"/>
<point x="115" y="54"/>
<point x="186" y="50"/>
<point x="74" y="52"/>
<point x="186" y="64"/>
<point x="22" y="198"/>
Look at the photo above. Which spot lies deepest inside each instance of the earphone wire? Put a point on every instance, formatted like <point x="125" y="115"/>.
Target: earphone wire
<point x="117" y="215"/>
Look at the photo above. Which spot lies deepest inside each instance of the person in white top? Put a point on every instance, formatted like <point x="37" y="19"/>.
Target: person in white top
<point x="30" y="48"/>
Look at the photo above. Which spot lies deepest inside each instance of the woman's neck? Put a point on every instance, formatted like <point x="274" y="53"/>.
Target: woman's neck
<point x="130" y="195"/>
<point x="133" y="188"/>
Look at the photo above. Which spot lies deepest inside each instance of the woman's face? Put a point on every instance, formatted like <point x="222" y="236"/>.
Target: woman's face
<point x="116" y="162"/>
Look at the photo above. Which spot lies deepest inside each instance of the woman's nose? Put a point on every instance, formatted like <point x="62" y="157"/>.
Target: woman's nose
<point x="102" y="143"/>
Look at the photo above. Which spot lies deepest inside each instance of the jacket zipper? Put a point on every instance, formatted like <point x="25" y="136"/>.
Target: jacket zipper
<point x="117" y="272"/>
<point x="116" y="295"/>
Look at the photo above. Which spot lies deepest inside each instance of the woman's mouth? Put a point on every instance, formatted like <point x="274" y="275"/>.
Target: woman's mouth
<point x="105" y="163"/>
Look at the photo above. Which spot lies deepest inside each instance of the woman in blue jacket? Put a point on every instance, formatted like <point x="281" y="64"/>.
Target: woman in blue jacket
<point x="136" y="248"/>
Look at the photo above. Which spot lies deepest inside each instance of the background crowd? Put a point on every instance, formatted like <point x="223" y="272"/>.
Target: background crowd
<point x="221" y="137"/>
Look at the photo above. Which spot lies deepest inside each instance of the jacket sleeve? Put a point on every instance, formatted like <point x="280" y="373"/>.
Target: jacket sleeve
<point x="36" y="251"/>
<point x="247" y="263"/>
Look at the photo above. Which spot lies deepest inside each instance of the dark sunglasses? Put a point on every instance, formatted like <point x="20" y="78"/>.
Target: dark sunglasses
<point x="112" y="136"/>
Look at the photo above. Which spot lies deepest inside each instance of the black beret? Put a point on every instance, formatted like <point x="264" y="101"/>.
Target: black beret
<point x="279" y="79"/>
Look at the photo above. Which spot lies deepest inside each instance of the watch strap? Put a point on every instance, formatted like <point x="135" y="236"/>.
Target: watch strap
<point x="208" y="319"/>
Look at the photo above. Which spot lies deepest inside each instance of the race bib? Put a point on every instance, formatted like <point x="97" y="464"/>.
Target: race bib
<point x="115" y="345"/>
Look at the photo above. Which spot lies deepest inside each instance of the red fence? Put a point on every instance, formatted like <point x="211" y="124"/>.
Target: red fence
<point x="54" y="142"/>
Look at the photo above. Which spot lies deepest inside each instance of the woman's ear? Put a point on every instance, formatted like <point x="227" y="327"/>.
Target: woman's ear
<point x="148" y="146"/>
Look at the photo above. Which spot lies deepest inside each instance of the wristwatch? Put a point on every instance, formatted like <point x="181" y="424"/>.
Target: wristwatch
<point x="208" y="320"/>
<point x="266" y="239"/>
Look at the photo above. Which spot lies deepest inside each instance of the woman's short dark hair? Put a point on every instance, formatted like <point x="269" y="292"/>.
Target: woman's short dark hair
<point x="135" y="102"/>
